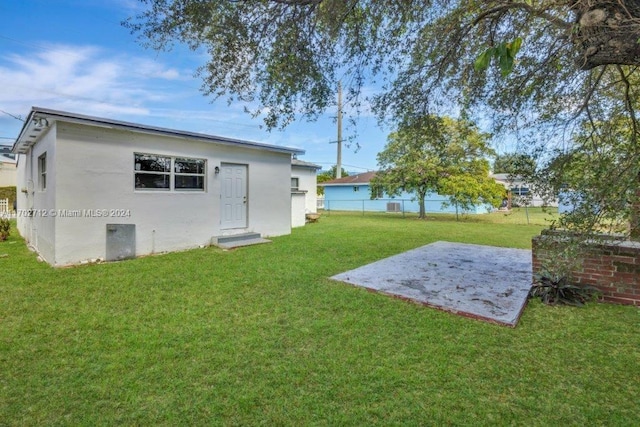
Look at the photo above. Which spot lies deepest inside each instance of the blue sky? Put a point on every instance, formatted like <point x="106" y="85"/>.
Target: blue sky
<point x="74" y="55"/>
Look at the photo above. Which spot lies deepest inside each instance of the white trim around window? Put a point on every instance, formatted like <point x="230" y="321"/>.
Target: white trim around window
<point x="42" y="172"/>
<point x="155" y="172"/>
<point x="295" y="183"/>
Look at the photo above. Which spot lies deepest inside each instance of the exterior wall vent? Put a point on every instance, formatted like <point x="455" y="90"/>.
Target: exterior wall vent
<point x="121" y="241"/>
<point x="393" y="207"/>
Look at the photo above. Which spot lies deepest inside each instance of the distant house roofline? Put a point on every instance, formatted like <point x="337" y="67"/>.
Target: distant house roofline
<point x="508" y="180"/>
<point x="361" y="178"/>
<point x="6" y="156"/>
<point x="40" y="119"/>
<point x="6" y="159"/>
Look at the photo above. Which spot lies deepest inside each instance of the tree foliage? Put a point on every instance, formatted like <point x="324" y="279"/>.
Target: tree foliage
<point x="331" y="173"/>
<point x="598" y="177"/>
<point x="328" y="176"/>
<point x="285" y="55"/>
<point x="288" y="54"/>
<point x="514" y="164"/>
<point x="438" y="155"/>
<point x="550" y="72"/>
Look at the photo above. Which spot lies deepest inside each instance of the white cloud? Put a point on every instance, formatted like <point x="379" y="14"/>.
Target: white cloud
<point x="151" y="69"/>
<point x="134" y="87"/>
<point x="83" y="79"/>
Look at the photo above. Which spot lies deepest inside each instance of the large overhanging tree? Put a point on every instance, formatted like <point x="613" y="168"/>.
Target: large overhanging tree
<point x="551" y="72"/>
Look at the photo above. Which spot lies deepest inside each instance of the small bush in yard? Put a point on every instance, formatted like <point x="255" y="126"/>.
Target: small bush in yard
<point x="5" y="227"/>
<point x="559" y="291"/>
<point x="562" y="254"/>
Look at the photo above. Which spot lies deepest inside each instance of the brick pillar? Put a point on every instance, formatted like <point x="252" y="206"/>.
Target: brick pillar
<point x="612" y="266"/>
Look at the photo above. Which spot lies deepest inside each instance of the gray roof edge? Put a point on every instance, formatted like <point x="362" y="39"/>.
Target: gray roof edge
<point x="5" y="159"/>
<point x="153" y="129"/>
<point x="26" y="123"/>
<point x="303" y="164"/>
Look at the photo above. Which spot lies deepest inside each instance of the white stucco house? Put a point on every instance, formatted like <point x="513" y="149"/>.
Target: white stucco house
<point x="304" y="184"/>
<point x="8" y="170"/>
<point x="93" y="188"/>
<point x="519" y="192"/>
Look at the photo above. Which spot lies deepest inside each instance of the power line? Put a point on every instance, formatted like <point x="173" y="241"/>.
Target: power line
<point x="11" y="115"/>
<point x="349" y="166"/>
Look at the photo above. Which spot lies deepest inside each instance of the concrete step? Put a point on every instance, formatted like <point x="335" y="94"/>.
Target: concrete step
<point x="237" y="240"/>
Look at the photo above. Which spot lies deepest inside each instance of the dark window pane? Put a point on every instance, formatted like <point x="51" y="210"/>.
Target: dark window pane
<point x="150" y="163"/>
<point x="42" y="169"/>
<point x="189" y="166"/>
<point x="189" y="182"/>
<point x="520" y="191"/>
<point x="152" y="181"/>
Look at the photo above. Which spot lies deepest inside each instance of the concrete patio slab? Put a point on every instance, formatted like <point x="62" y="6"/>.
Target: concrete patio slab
<point x="483" y="282"/>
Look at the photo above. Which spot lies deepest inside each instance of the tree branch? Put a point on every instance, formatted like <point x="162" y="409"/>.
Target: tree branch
<point x="629" y="104"/>
<point x="560" y="23"/>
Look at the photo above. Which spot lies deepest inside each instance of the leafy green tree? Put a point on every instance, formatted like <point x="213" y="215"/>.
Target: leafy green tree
<point x="287" y="55"/>
<point x="598" y="178"/>
<point x="514" y="164"/>
<point x="441" y="155"/>
<point x="544" y="70"/>
<point x="328" y="176"/>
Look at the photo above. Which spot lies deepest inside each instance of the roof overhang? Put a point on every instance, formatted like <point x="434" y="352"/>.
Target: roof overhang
<point x="307" y="165"/>
<point x="33" y="128"/>
<point x="40" y="119"/>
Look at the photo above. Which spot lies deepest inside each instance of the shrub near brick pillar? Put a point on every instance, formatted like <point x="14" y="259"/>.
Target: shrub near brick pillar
<point x="612" y="266"/>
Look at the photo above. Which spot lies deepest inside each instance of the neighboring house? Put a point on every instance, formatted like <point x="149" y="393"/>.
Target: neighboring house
<point x="519" y="192"/>
<point x="304" y="197"/>
<point x="94" y="188"/>
<point x="8" y="169"/>
<point x="352" y="193"/>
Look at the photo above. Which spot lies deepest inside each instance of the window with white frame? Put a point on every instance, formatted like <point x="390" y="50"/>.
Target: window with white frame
<point x="164" y="173"/>
<point x="189" y="173"/>
<point x="295" y="184"/>
<point x="42" y="172"/>
<point x="152" y="172"/>
<point x="520" y="191"/>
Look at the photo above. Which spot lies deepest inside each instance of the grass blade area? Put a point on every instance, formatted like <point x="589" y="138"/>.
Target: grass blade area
<point x="260" y="336"/>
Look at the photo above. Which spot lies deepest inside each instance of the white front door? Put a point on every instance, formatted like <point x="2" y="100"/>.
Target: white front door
<point x="234" y="196"/>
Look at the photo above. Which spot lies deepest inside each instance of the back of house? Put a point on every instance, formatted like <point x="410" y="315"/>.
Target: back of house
<point x="91" y="188"/>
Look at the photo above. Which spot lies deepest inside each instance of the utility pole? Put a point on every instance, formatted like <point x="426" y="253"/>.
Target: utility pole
<point x="339" y="161"/>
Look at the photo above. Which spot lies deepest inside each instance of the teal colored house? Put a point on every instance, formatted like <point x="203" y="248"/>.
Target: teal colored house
<point x="352" y="193"/>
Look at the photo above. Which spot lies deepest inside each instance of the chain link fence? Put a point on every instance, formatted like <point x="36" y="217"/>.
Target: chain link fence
<point x="523" y="214"/>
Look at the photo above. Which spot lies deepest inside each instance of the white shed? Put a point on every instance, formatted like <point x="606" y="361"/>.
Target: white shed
<point x="93" y="188"/>
<point x="304" y="196"/>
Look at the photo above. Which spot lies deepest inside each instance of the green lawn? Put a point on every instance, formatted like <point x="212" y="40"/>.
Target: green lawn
<point x="260" y="336"/>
